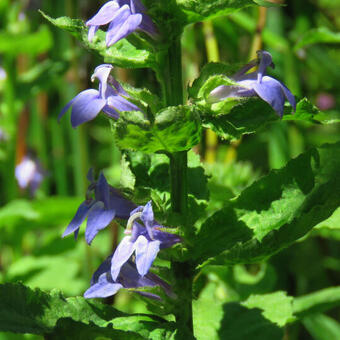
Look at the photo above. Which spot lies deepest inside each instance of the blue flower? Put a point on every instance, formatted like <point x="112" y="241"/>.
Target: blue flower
<point x="123" y="17"/>
<point x="100" y="210"/>
<point x="29" y="173"/>
<point x="145" y="241"/>
<point x="109" y="99"/>
<point x="103" y="285"/>
<point x="256" y="84"/>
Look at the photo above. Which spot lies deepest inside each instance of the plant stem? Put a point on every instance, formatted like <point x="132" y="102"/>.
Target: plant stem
<point x="171" y="79"/>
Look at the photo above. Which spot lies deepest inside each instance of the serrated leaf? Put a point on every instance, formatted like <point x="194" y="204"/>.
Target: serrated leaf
<point x="123" y="53"/>
<point x="23" y="310"/>
<point x="274" y="211"/>
<point x="246" y="116"/>
<point x="143" y="96"/>
<point x="277" y="307"/>
<point x="199" y="10"/>
<point x="68" y="329"/>
<point x="174" y="129"/>
<point x="211" y="76"/>
<point x="320" y="35"/>
<point x="229" y="320"/>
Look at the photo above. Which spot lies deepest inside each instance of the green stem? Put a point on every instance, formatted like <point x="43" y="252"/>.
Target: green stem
<point x="178" y="183"/>
<point x="170" y="77"/>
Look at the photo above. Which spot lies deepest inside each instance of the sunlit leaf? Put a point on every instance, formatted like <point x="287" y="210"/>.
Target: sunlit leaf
<point x="274" y="211"/>
<point x="123" y="53"/>
<point x="174" y="129"/>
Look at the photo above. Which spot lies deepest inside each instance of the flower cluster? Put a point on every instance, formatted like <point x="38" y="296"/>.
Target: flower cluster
<point x="256" y="84"/>
<point x="129" y="265"/>
<point x="119" y="270"/>
<point x="124" y="17"/>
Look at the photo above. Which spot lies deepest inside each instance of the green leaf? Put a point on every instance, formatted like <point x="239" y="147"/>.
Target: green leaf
<point x="123" y="53"/>
<point x="28" y="43"/>
<point x="322" y="327"/>
<point x="329" y="228"/>
<point x="317" y="302"/>
<point x="320" y="35"/>
<point x="143" y="96"/>
<point x="68" y="329"/>
<point x="229" y="320"/>
<point x="15" y="211"/>
<point x="174" y="129"/>
<point x="211" y="76"/>
<point x="247" y="116"/>
<point x="277" y="307"/>
<point x="274" y="211"/>
<point x="199" y="10"/>
<point x="23" y="310"/>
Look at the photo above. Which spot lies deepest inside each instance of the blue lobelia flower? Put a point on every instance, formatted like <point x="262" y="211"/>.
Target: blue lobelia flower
<point x="103" y="285"/>
<point x="123" y="17"/>
<point x="256" y="84"/>
<point x="109" y="99"/>
<point x="145" y="241"/>
<point x="100" y="210"/>
<point x="30" y="173"/>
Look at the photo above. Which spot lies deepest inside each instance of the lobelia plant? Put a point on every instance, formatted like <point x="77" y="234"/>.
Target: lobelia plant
<point x="167" y="263"/>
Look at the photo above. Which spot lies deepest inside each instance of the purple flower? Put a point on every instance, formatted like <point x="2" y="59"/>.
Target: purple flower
<point x="100" y="210"/>
<point x="145" y="241"/>
<point x="29" y="173"/>
<point x="123" y="17"/>
<point x="256" y="84"/>
<point x="103" y="285"/>
<point x="109" y="99"/>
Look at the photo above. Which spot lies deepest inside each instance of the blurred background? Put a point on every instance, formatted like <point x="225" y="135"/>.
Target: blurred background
<point x="43" y="164"/>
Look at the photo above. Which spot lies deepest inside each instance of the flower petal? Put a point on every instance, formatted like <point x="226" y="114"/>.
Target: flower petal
<point x="236" y="76"/>
<point x="67" y="106"/>
<point x="288" y="95"/>
<point x="121" y="255"/>
<point x="92" y="31"/>
<point x="148" y="218"/>
<point x="86" y="107"/>
<point x="78" y="218"/>
<point x="136" y="6"/>
<point x="148" y="26"/>
<point x="111" y="112"/>
<point x="98" y="219"/>
<point x="270" y="91"/>
<point x="222" y="92"/>
<point x="104" y="15"/>
<point x="146" y="253"/>
<point x="90" y="175"/>
<point x="167" y="239"/>
<point x="121" y="104"/>
<point x="103" y="288"/>
<point x="102" y="191"/>
<point x="102" y="73"/>
<point x="265" y="61"/>
<point x="122" y="27"/>
<point x="103" y="268"/>
<point x="121" y="205"/>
